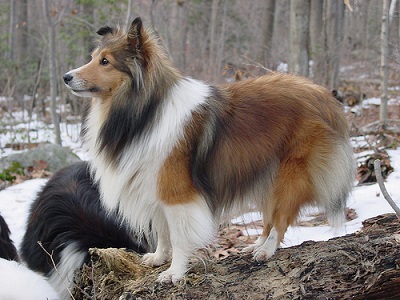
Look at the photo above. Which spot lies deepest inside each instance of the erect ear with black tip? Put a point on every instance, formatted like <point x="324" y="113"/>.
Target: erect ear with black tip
<point x="135" y="33"/>
<point x="105" y="30"/>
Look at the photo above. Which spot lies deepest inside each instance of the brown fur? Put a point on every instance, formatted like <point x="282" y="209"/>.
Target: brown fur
<point x="175" y="185"/>
<point x="274" y="117"/>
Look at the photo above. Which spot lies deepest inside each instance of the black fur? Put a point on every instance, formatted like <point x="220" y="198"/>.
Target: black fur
<point x="105" y="30"/>
<point x="7" y="248"/>
<point x="127" y="122"/>
<point x="68" y="210"/>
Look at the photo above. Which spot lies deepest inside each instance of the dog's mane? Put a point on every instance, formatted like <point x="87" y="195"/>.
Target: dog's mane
<point x="138" y="101"/>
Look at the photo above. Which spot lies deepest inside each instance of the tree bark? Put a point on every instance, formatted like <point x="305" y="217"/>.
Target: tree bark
<point x="363" y="265"/>
<point x="11" y="32"/>
<point x="384" y="70"/>
<point x="334" y="17"/>
<point x="213" y="40"/>
<point x="53" y="71"/>
<point x="316" y="45"/>
<point x="22" y="32"/>
<point x="299" y="35"/>
<point x="267" y="33"/>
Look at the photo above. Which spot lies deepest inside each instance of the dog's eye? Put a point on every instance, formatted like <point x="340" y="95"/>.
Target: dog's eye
<point x="104" y="61"/>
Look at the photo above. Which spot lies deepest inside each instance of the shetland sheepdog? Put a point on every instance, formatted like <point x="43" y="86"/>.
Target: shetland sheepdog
<point x="183" y="155"/>
<point x="68" y="219"/>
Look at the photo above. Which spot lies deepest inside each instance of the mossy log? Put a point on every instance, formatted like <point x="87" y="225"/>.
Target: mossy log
<point x="363" y="265"/>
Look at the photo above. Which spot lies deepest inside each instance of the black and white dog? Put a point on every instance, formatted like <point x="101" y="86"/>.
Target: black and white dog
<point x="68" y="219"/>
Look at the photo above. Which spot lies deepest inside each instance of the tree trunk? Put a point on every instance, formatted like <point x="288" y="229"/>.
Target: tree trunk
<point x="22" y="32"/>
<point x="299" y="33"/>
<point x="11" y="32"/>
<point x="363" y="265"/>
<point x="334" y="26"/>
<point x="316" y="45"/>
<point x="213" y="40"/>
<point x="384" y="70"/>
<point x="267" y="33"/>
<point x="52" y="71"/>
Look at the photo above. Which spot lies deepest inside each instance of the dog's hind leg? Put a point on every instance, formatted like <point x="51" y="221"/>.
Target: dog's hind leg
<point x="293" y="189"/>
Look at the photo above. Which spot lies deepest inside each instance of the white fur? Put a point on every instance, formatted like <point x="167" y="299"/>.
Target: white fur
<point x="341" y="170"/>
<point x="191" y="226"/>
<point x="62" y="279"/>
<point x="267" y="249"/>
<point x="17" y="282"/>
<point x="132" y="185"/>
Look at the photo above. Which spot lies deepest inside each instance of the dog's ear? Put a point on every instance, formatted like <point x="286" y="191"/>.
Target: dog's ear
<point x="105" y="30"/>
<point x="135" y="34"/>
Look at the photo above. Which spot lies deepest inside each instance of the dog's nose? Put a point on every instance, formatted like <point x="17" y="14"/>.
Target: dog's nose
<point x="67" y="78"/>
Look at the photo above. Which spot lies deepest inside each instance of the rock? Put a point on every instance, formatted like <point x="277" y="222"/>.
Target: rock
<point x="54" y="155"/>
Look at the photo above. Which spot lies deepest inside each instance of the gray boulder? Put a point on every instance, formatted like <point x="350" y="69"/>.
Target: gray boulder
<point x="54" y="155"/>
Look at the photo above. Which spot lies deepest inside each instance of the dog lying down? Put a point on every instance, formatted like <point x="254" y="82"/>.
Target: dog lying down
<point x="68" y="219"/>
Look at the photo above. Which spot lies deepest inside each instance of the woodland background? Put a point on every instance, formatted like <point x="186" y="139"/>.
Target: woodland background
<point x="340" y="44"/>
<point x="351" y="47"/>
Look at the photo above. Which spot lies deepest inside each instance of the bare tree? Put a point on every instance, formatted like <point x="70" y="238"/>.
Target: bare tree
<point x="22" y="31"/>
<point x="11" y="32"/>
<point x="333" y="25"/>
<point x="316" y="45"/>
<point x="213" y="41"/>
<point x="299" y="29"/>
<point x="51" y="25"/>
<point x="384" y="68"/>
<point x="267" y="32"/>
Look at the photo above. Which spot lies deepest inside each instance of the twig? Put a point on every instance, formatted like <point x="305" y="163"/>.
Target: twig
<point x="256" y="64"/>
<point x="379" y="178"/>
<point x="54" y="265"/>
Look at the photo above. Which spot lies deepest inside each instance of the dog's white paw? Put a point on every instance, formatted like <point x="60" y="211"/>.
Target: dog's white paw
<point x="170" y="276"/>
<point x="257" y="245"/>
<point x="264" y="253"/>
<point x="153" y="259"/>
<point x="249" y="249"/>
<point x="266" y="250"/>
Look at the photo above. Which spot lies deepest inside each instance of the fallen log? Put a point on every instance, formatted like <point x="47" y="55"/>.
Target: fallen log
<point x="363" y="265"/>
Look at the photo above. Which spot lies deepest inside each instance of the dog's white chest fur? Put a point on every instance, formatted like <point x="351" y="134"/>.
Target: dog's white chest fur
<point x="131" y="186"/>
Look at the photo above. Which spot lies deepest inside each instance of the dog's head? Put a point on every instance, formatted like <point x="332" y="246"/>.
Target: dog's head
<point x="119" y="59"/>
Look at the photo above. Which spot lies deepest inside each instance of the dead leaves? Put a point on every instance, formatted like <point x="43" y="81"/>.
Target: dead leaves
<point x="366" y="171"/>
<point x="38" y="170"/>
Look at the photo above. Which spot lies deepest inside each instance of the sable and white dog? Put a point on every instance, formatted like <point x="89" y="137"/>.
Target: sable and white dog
<point x="174" y="155"/>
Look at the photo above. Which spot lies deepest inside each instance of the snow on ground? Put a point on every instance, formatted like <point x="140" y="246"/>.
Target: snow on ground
<point x="367" y="201"/>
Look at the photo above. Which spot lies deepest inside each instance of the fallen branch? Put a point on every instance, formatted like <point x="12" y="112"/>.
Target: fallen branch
<point x="379" y="178"/>
<point x="363" y="265"/>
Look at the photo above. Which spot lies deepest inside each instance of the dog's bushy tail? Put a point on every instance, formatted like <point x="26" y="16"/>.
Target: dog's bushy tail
<point x="334" y="181"/>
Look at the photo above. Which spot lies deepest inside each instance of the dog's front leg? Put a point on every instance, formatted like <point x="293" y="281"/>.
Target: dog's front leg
<point x="191" y="227"/>
<point x="162" y="253"/>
